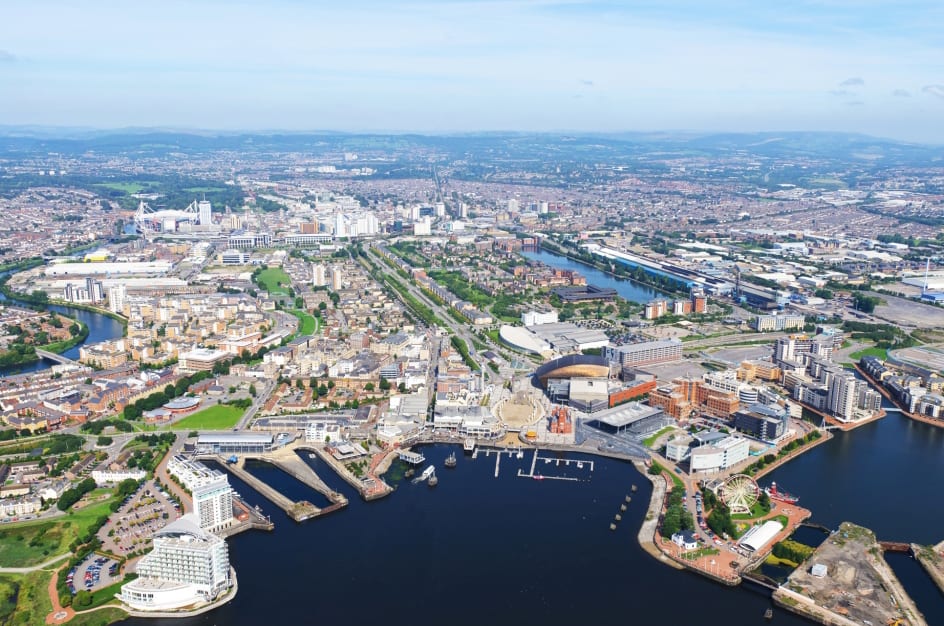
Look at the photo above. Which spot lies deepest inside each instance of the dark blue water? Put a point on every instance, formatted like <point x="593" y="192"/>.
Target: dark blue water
<point x="883" y="476"/>
<point x="626" y="288"/>
<point x="471" y="551"/>
<point x="101" y="328"/>
<point x="919" y="586"/>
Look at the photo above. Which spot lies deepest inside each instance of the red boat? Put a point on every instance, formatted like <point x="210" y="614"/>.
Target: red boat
<point x="537" y="477"/>
<point x="782" y="496"/>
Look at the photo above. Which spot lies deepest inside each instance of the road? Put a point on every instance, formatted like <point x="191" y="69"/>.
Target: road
<point x="27" y="570"/>
<point x="262" y="395"/>
<point x="735" y="339"/>
<point x="461" y="330"/>
<point x="160" y="473"/>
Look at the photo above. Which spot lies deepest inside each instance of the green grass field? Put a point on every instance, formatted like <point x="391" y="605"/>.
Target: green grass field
<point x="103" y="596"/>
<point x="203" y="189"/>
<point x="881" y="353"/>
<point x="31" y="543"/>
<point x="275" y="280"/>
<point x="309" y="324"/>
<point x="30" y="604"/>
<point x="98" y="618"/>
<point x="218" y="417"/>
<point x="127" y="187"/>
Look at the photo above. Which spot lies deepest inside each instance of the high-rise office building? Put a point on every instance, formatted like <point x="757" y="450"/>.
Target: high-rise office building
<point x="205" y="212"/>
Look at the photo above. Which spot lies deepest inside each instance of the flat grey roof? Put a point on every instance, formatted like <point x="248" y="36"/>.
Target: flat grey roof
<point x="626" y="414"/>
<point x="234" y="438"/>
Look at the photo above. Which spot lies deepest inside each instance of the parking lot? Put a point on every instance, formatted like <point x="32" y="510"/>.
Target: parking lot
<point x="142" y="514"/>
<point x="93" y="573"/>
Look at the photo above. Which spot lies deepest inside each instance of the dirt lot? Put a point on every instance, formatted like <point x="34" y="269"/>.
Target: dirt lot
<point x="908" y="313"/>
<point x="858" y="584"/>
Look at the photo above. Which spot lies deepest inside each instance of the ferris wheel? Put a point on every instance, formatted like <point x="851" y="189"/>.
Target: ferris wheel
<point x="739" y="493"/>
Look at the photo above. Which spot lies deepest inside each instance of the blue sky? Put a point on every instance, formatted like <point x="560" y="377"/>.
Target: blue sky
<point x="463" y="65"/>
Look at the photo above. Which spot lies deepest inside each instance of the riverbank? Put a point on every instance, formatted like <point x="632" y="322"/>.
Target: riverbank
<point x="931" y="559"/>
<point x="57" y="347"/>
<point x="603" y="267"/>
<point x="650" y="525"/>
<point x="904" y="410"/>
<point x="825" y="436"/>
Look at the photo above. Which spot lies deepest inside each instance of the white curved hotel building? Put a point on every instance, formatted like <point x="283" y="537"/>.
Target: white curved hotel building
<point x="188" y="567"/>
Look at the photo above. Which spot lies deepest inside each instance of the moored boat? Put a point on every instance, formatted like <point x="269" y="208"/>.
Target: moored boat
<point x="775" y="494"/>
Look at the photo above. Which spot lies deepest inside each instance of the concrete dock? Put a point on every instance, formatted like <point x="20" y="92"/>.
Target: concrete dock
<point x="370" y="487"/>
<point x="298" y="511"/>
<point x="932" y="560"/>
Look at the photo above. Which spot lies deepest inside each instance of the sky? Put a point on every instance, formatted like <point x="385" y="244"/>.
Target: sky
<point x="867" y="66"/>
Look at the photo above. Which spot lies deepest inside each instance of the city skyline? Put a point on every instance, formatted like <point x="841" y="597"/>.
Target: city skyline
<point x="474" y="65"/>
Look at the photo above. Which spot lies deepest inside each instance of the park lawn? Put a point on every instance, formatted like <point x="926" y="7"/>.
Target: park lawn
<point x="757" y="510"/>
<point x="275" y="280"/>
<point x="880" y="353"/>
<point x="203" y="189"/>
<point x="32" y="597"/>
<point x="308" y="324"/>
<point x="34" y="542"/>
<point x="103" y="617"/>
<point x="104" y="595"/>
<point x="127" y="187"/>
<point x="218" y="417"/>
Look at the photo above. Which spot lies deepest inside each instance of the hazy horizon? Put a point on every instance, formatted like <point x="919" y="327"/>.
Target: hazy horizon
<point x="460" y="66"/>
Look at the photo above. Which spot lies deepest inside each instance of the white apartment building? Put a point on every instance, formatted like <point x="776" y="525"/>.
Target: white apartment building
<point x="192" y="474"/>
<point x="213" y="504"/>
<point x="105" y="477"/>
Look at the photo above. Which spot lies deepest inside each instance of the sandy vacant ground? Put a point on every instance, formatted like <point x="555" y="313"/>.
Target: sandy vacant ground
<point x="931" y="357"/>
<point x="858" y="585"/>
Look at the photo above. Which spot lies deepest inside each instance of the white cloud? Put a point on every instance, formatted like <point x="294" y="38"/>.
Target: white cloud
<point x="934" y="90"/>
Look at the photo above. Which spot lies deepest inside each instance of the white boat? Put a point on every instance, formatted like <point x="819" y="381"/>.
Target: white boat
<point x="312" y="455"/>
<point x="427" y="472"/>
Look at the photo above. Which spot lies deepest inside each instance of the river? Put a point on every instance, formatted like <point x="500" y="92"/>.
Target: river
<point x="627" y="288"/>
<point x="101" y="328"/>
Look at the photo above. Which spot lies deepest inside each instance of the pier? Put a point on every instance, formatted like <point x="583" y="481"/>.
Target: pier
<point x="298" y="511"/>
<point x="371" y="486"/>
<point x="255" y="519"/>
<point x="534" y="461"/>
<point x="413" y="458"/>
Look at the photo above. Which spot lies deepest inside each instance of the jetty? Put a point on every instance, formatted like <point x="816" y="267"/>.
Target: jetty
<point x="288" y="461"/>
<point x="298" y="511"/>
